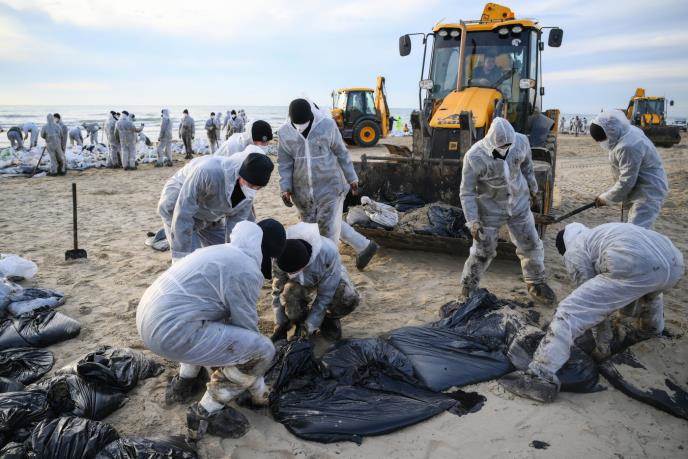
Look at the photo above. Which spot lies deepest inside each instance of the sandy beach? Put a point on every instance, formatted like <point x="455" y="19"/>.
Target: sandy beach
<point x="117" y="208"/>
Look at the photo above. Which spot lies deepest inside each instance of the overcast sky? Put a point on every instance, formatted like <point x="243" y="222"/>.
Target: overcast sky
<point x="266" y="52"/>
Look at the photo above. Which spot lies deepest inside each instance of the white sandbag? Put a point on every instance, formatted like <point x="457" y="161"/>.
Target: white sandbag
<point x="15" y="266"/>
<point x="382" y="214"/>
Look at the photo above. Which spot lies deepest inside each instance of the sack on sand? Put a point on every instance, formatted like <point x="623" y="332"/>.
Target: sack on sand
<point x="157" y="448"/>
<point x="38" y="328"/>
<point x="21" y="411"/>
<point x="26" y="364"/>
<point x="30" y="299"/>
<point x="74" y="396"/>
<point x="114" y="368"/>
<point x="70" y="437"/>
<point x="382" y="214"/>
<point x="15" y="267"/>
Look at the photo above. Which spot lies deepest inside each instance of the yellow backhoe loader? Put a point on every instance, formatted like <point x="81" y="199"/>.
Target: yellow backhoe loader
<point x="362" y="114"/>
<point x="477" y="70"/>
<point x="649" y="114"/>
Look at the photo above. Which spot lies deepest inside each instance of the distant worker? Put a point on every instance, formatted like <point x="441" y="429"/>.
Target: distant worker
<point x="497" y="186"/>
<point x="64" y="129"/>
<point x="202" y="312"/>
<point x="211" y="132"/>
<point x="316" y="173"/>
<point x="310" y="264"/>
<point x="218" y="127"/>
<point x="577" y="126"/>
<point x="75" y="137"/>
<point x="613" y="265"/>
<point x="260" y="135"/>
<point x="92" y="131"/>
<point x="127" y="132"/>
<point x="165" y="140"/>
<point x="236" y="122"/>
<point x="16" y="137"/>
<point x="203" y="201"/>
<point x="31" y="128"/>
<point x="641" y="183"/>
<point x="187" y="132"/>
<point x="562" y="126"/>
<point x="226" y="125"/>
<point x="53" y="135"/>
<point x="489" y="74"/>
<point x="585" y="125"/>
<point x="244" y="118"/>
<point x="114" y="150"/>
<point x="406" y="129"/>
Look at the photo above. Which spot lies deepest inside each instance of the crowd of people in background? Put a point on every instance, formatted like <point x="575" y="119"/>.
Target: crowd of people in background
<point x="574" y="125"/>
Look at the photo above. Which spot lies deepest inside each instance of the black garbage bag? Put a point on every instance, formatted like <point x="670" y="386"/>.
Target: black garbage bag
<point x="116" y="368"/>
<point x="14" y="450"/>
<point x="70" y="437"/>
<point x="375" y="397"/>
<point x="10" y="385"/>
<point x="444" y="358"/>
<point x="405" y="202"/>
<point x="148" y="448"/>
<point x="25" y="364"/>
<point x="38" y="328"/>
<point x="78" y="397"/>
<point x="579" y="374"/>
<point x="448" y="221"/>
<point x="21" y="411"/>
<point x="633" y="374"/>
<point x="29" y="299"/>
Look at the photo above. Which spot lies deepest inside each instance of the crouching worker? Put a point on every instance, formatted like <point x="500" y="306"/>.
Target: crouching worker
<point x="613" y="265"/>
<point x="203" y="201"/>
<point x="310" y="264"/>
<point x="202" y="313"/>
<point x="497" y="186"/>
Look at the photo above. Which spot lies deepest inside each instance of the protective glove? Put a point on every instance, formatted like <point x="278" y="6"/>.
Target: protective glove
<point x="476" y="230"/>
<point x="534" y="201"/>
<point x="600" y="201"/>
<point x="286" y="199"/>
<point x="354" y="188"/>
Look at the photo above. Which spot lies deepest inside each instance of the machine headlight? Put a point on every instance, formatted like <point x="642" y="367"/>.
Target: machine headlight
<point x="503" y="31"/>
<point x="517" y="29"/>
<point x="443" y="33"/>
<point x="454" y="33"/>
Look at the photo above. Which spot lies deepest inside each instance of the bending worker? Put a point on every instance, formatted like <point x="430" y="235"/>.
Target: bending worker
<point x="53" y="135"/>
<point x="612" y="266"/>
<point x="310" y="263"/>
<point x="165" y="140"/>
<point x="92" y="131"/>
<point x="31" y="128"/>
<point x="316" y="173"/>
<point x="260" y="135"/>
<point x="16" y="137"/>
<point x="641" y="183"/>
<point x="75" y="136"/>
<point x="497" y="186"/>
<point x="202" y="313"/>
<point x="203" y="201"/>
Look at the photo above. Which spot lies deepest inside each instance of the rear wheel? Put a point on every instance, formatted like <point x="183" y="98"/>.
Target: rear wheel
<point x="366" y="133"/>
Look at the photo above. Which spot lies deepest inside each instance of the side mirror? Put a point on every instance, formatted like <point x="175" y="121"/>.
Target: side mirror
<point x="555" y="37"/>
<point x="541" y="46"/>
<point x="542" y="90"/>
<point x="671" y="103"/>
<point x="404" y="45"/>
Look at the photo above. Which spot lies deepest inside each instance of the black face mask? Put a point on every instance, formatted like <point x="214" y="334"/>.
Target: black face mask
<point x="497" y="155"/>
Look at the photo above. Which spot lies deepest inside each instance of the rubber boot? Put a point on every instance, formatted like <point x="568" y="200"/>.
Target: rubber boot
<point x="542" y="294"/>
<point x="529" y="385"/>
<point x="280" y="332"/>
<point x="224" y="423"/>
<point x="363" y="258"/>
<point x="331" y="329"/>
<point x="183" y="390"/>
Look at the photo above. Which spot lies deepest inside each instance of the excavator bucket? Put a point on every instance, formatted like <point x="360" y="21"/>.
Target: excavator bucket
<point x="663" y="136"/>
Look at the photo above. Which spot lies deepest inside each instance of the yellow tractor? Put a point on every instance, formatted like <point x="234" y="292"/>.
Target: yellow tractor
<point x="362" y="114"/>
<point x="477" y="70"/>
<point x="649" y="114"/>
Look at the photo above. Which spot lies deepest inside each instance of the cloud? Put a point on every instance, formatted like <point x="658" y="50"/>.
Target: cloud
<point x="666" y="40"/>
<point x="641" y="71"/>
<point x="18" y="46"/>
<point x="76" y="86"/>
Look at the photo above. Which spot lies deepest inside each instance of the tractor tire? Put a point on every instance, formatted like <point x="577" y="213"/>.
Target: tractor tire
<point x="366" y="133"/>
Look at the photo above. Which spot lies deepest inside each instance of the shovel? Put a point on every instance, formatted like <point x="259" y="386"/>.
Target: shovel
<point x="38" y="163"/>
<point x="75" y="253"/>
<point x="541" y="219"/>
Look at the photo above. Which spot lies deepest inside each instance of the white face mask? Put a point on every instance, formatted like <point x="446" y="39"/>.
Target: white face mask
<point x="301" y="127"/>
<point x="295" y="275"/>
<point x="604" y="144"/>
<point x="502" y="150"/>
<point x="249" y="192"/>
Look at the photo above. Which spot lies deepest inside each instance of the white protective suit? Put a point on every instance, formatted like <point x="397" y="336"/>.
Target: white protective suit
<point x="236" y="143"/>
<point x="187" y="132"/>
<point x="115" y="155"/>
<point x="65" y="134"/>
<point x="237" y="124"/>
<point x="92" y="131"/>
<point x="495" y="192"/>
<point x="75" y="136"/>
<point x="202" y="312"/>
<point x="612" y="266"/>
<point x="127" y="132"/>
<point x="212" y="134"/>
<point x="196" y="205"/>
<point x="335" y="293"/>
<point x="53" y="135"/>
<point x="165" y="139"/>
<point x="226" y="125"/>
<point x="15" y="136"/>
<point x="32" y="129"/>
<point x="641" y="183"/>
<point x="317" y="170"/>
<point x="218" y="126"/>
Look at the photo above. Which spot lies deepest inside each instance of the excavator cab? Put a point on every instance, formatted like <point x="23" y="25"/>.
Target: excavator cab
<point x="362" y="114"/>
<point x="649" y="114"/>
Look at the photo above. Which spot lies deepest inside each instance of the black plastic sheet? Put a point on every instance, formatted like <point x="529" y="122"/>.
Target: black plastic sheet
<point x="21" y="411"/>
<point x="405" y="202"/>
<point x="10" y="385"/>
<point x="628" y="373"/>
<point x="148" y="448"/>
<point x="70" y="437"/>
<point x="14" y="450"/>
<point x="28" y="299"/>
<point x="115" y="368"/>
<point x="78" y="397"/>
<point x="38" y="328"/>
<point x="26" y="364"/>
